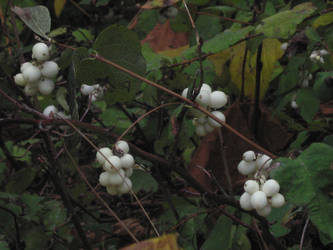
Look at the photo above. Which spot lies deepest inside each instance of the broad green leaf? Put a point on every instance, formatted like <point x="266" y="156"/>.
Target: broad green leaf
<point x="35" y="237"/>
<point x="220" y="236"/>
<point x="271" y="53"/>
<point x="323" y="20"/>
<point x="301" y="138"/>
<point x="37" y="18"/>
<point x="322" y="90"/>
<point x="198" y="2"/>
<point x="81" y="35"/>
<point x="59" y="6"/>
<point x="121" y="46"/>
<point x="61" y="98"/>
<point x="21" y="180"/>
<point x="33" y="206"/>
<point x="143" y="181"/>
<point x="306" y="181"/>
<point x="225" y="10"/>
<point x="55" y="216"/>
<point x="308" y="103"/>
<point x="207" y="26"/>
<point x="58" y="32"/>
<point x="113" y="117"/>
<point x="284" y="23"/>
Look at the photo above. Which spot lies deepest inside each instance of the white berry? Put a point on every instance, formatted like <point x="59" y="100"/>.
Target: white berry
<point x="46" y="86"/>
<point x="265" y="211"/>
<point x="127" y="161"/>
<point x="294" y="105"/>
<point x="104" y="179"/>
<point x="86" y="89"/>
<point x="31" y="74"/>
<point x="203" y="98"/>
<point x="40" y="51"/>
<point x="107" y="152"/>
<point x="25" y="65"/>
<point x="117" y="178"/>
<point x="245" y="201"/>
<point x="125" y="187"/>
<point x="184" y="93"/>
<point x="208" y="128"/>
<point x="284" y="46"/>
<point x="30" y="89"/>
<point x="258" y="200"/>
<point x="128" y="172"/>
<point x="122" y="146"/>
<point x="113" y="190"/>
<point x="263" y="161"/>
<point x="112" y="164"/>
<point x="251" y="186"/>
<point x="19" y="80"/>
<point x="50" y="111"/>
<point x="249" y="156"/>
<point x="271" y="187"/>
<point x="214" y="123"/>
<point x="218" y="99"/>
<point x="206" y="87"/>
<point x="246" y="168"/>
<point x="50" y="69"/>
<point x="200" y="130"/>
<point x="277" y="200"/>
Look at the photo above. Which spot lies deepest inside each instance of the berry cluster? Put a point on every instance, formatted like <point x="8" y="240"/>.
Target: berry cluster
<point x="260" y="194"/>
<point x="318" y="55"/>
<point x="39" y="74"/>
<point x="95" y="91"/>
<point x="208" y="99"/>
<point x="118" y="167"/>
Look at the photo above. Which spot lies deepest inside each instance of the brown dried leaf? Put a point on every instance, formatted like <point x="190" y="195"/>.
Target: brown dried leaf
<point x="165" y="242"/>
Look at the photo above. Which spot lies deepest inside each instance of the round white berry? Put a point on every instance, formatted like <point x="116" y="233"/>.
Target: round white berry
<point x="265" y="211"/>
<point x="214" y="123"/>
<point x="202" y="120"/>
<point x="31" y="74"/>
<point x="40" y="51"/>
<point x="104" y="179"/>
<point x="171" y="12"/>
<point x="206" y="87"/>
<point x="46" y="86"/>
<point x="263" y="161"/>
<point x="218" y="99"/>
<point x="113" y="190"/>
<point x="249" y="156"/>
<point x="25" y="65"/>
<point x="323" y="52"/>
<point x="294" y="105"/>
<point x="19" y="80"/>
<point x="200" y="130"/>
<point x="258" y="200"/>
<point x="107" y="152"/>
<point x="127" y="161"/>
<point x="271" y="187"/>
<point x="128" y="172"/>
<point x="30" y="89"/>
<point x="50" y="69"/>
<point x="122" y="146"/>
<point x="246" y="168"/>
<point x="208" y="128"/>
<point x="86" y="89"/>
<point x="277" y="200"/>
<point x="184" y="93"/>
<point x="112" y="164"/>
<point x="245" y="201"/>
<point x="125" y="187"/>
<point x="284" y="46"/>
<point x="203" y="98"/>
<point x="117" y="178"/>
<point x="251" y="186"/>
<point x="50" y="111"/>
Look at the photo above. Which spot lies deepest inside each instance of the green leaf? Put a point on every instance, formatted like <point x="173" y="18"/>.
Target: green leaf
<point x="33" y="206"/>
<point x="121" y="46"/>
<point x="284" y="23"/>
<point x="301" y="138"/>
<point x="82" y="35"/>
<point x="21" y="180"/>
<point x="37" y="18"/>
<point x="308" y="104"/>
<point x="55" y="216"/>
<point x="143" y="181"/>
<point x="61" y="98"/>
<point x="312" y="34"/>
<point x="35" y="238"/>
<point x="307" y="181"/>
<point x="220" y="235"/>
<point x="58" y="32"/>
<point x="323" y="20"/>
<point x="328" y="140"/>
<point x="322" y="90"/>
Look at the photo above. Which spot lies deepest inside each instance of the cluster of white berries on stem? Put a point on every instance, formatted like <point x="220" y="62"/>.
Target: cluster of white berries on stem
<point x="318" y="55"/>
<point x="95" y="91"/>
<point x="118" y="167"/>
<point x="51" y="111"/>
<point x="208" y="99"/>
<point x="260" y="194"/>
<point x="39" y="74"/>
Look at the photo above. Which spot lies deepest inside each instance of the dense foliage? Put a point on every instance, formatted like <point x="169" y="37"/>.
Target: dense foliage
<point x="190" y="85"/>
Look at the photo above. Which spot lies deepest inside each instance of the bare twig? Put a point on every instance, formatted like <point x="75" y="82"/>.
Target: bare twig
<point x="303" y="233"/>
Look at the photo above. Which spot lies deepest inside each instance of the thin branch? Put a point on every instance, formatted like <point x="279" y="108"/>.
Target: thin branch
<point x="303" y="233"/>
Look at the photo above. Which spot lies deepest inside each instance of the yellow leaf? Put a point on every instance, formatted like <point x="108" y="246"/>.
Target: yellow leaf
<point x="271" y="53"/>
<point x="165" y="242"/>
<point x="323" y="20"/>
<point x="59" y="6"/>
<point x="219" y="59"/>
<point x="173" y="52"/>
